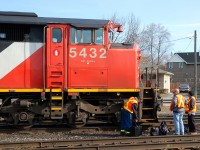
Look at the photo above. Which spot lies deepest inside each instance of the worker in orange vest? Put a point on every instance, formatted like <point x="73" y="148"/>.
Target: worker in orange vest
<point x="190" y="109"/>
<point x="129" y="115"/>
<point x="177" y="106"/>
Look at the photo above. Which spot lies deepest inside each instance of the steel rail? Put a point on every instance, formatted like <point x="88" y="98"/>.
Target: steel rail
<point x="126" y="143"/>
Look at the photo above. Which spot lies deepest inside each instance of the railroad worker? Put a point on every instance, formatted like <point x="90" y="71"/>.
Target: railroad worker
<point x="177" y="106"/>
<point x="190" y="109"/>
<point x="129" y="115"/>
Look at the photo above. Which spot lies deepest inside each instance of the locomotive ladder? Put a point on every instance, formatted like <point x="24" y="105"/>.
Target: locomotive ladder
<point x="149" y="105"/>
<point x="56" y="105"/>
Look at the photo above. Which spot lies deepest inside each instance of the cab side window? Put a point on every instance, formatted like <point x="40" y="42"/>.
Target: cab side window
<point x="99" y="36"/>
<point x="72" y="35"/>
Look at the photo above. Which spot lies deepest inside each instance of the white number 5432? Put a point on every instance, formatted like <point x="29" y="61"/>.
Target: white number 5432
<point x="92" y="53"/>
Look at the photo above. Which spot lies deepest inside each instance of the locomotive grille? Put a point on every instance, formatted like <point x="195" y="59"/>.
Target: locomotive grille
<point x="9" y="32"/>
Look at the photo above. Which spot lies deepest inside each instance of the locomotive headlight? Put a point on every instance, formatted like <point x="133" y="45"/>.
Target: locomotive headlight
<point x="118" y="94"/>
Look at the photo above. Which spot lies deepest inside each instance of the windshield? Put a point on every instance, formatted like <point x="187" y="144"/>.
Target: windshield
<point x="184" y="85"/>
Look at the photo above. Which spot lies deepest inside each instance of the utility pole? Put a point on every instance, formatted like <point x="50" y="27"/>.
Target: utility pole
<point x="195" y="64"/>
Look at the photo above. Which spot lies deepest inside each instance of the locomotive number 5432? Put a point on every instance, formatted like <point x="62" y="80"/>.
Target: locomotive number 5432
<point x="91" y="53"/>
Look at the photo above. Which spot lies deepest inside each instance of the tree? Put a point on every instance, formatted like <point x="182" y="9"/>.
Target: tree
<point x="118" y="37"/>
<point x="131" y="28"/>
<point x="154" y="44"/>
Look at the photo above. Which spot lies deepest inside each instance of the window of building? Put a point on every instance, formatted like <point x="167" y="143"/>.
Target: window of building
<point x="56" y="35"/>
<point x="170" y="65"/>
<point x="180" y="65"/>
<point x="87" y="36"/>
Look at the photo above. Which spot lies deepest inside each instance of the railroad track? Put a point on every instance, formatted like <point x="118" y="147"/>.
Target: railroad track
<point x="169" y="118"/>
<point x="125" y="143"/>
<point x="101" y="139"/>
<point x="102" y="126"/>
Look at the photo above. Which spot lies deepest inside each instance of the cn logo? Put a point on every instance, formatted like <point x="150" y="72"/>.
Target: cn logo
<point x="56" y="52"/>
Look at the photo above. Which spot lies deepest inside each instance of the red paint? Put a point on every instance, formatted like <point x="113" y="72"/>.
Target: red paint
<point x="26" y="75"/>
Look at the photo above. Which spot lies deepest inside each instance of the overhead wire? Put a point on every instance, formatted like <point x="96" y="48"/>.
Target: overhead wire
<point x="188" y="37"/>
<point x="188" y="45"/>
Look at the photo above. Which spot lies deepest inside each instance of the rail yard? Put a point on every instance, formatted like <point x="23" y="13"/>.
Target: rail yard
<point x="64" y="83"/>
<point x="96" y="135"/>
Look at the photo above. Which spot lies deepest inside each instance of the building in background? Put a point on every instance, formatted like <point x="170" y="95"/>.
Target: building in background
<point x="182" y="66"/>
<point x="162" y="77"/>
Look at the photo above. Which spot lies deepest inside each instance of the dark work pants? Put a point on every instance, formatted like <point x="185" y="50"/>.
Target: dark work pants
<point x="126" y="120"/>
<point x="191" y="123"/>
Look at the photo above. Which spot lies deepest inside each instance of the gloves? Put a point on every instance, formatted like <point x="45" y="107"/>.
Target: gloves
<point x="189" y="113"/>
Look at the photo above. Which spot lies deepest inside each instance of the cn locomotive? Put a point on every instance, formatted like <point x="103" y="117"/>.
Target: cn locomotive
<point x="63" y="70"/>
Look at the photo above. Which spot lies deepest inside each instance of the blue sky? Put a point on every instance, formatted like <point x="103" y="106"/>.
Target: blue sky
<point x="180" y="17"/>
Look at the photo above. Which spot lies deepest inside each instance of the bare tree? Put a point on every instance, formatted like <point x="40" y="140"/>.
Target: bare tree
<point x="154" y="43"/>
<point x="118" y="37"/>
<point x="132" y="29"/>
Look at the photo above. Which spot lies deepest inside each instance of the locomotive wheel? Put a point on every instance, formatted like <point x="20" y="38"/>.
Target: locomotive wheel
<point x="23" y="120"/>
<point x="24" y="127"/>
<point x="77" y="122"/>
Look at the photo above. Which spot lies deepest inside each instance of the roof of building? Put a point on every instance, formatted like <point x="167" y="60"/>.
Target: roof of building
<point x="32" y="19"/>
<point x="160" y="72"/>
<point x="189" y="57"/>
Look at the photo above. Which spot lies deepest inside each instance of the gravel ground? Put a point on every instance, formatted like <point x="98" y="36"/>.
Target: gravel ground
<point x="64" y="134"/>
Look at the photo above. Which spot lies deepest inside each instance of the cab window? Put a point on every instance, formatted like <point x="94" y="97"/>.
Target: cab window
<point x="72" y="35"/>
<point x="86" y="36"/>
<point x="56" y="35"/>
<point x="99" y="36"/>
<point x="78" y="36"/>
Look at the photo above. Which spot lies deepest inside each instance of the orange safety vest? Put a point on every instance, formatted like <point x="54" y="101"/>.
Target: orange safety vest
<point x="180" y="102"/>
<point x="128" y="105"/>
<point x="188" y="105"/>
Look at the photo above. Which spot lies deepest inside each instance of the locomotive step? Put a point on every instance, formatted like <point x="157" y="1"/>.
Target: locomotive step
<point x="56" y="98"/>
<point x="56" y="108"/>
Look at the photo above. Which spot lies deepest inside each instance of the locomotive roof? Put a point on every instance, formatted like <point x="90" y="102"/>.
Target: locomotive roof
<point x="32" y="19"/>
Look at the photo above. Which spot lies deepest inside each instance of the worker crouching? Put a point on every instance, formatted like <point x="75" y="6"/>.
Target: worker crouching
<point x="129" y="116"/>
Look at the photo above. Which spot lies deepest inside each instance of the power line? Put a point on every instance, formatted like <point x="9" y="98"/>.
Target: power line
<point x="188" y="37"/>
<point x="188" y="44"/>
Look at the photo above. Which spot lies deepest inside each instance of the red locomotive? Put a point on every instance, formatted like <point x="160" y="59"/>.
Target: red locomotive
<point x="63" y="70"/>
